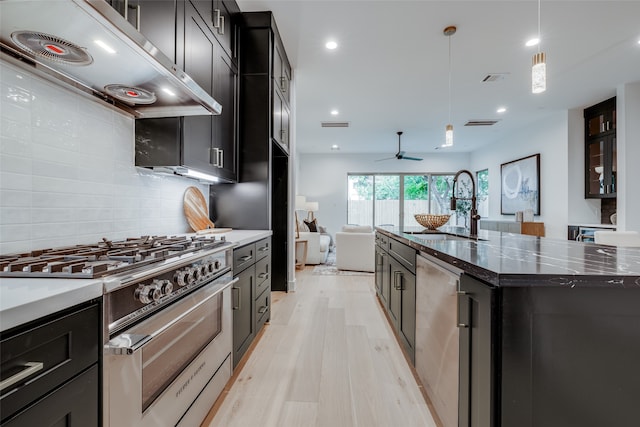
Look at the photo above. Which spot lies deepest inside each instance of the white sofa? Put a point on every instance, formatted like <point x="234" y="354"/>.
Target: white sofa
<point x="317" y="246"/>
<point x="355" y="248"/>
<point x="629" y="239"/>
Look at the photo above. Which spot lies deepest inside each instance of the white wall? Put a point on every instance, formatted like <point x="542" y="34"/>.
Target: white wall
<point x="628" y="145"/>
<point x="67" y="171"/>
<point x="323" y="177"/>
<point x="549" y="138"/>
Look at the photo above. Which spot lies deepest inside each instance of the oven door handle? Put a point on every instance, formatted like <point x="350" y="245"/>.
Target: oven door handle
<point x="126" y="344"/>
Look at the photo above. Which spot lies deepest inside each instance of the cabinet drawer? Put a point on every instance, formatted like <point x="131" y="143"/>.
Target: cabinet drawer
<point x="263" y="275"/>
<point x="406" y="255"/>
<point x="382" y="241"/>
<point x="243" y="257"/>
<point x="76" y="400"/>
<point x="263" y="309"/>
<point x="64" y="346"/>
<point x="263" y="248"/>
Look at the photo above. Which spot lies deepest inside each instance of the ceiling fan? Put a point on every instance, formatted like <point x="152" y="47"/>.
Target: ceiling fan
<point x="400" y="154"/>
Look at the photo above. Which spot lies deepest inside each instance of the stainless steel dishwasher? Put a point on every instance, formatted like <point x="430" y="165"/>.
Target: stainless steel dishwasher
<point x="437" y="337"/>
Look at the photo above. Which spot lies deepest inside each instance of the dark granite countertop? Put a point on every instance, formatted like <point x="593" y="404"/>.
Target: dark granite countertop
<point x="505" y="259"/>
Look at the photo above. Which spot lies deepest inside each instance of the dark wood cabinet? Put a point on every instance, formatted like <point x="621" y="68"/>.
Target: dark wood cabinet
<point x="251" y="295"/>
<point x="260" y="198"/>
<point x="206" y="144"/>
<point x="396" y="287"/>
<point x="477" y="390"/>
<point x="243" y="315"/>
<point x="600" y="150"/>
<point x="63" y="351"/>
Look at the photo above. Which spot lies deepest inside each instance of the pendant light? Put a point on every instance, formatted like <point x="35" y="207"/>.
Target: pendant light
<point x="448" y="135"/>
<point x="539" y="66"/>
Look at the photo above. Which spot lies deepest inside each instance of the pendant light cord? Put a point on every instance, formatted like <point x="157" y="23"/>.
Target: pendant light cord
<point x="539" y="39"/>
<point x="450" y="79"/>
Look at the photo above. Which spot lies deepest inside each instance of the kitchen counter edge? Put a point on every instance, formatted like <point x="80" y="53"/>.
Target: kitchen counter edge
<point x="598" y="267"/>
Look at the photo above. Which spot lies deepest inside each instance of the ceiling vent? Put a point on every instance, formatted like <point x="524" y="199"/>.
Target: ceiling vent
<point x="494" y="77"/>
<point x="481" y="122"/>
<point x="334" y="124"/>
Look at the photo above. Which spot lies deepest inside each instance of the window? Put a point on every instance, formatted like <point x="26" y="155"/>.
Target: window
<point x="378" y="199"/>
<point x="482" y="183"/>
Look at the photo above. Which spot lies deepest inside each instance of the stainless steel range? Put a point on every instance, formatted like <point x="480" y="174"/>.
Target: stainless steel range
<point x="167" y="321"/>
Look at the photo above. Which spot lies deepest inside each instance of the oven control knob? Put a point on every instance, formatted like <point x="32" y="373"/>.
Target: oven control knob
<point x="196" y="273"/>
<point x="147" y="293"/>
<point x="211" y="267"/>
<point x="166" y="287"/>
<point x="191" y="276"/>
<point x="180" y="277"/>
<point x="216" y="265"/>
<point x="204" y="270"/>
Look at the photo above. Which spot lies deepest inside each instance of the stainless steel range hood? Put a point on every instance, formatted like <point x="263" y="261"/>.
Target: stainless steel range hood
<point x="87" y="44"/>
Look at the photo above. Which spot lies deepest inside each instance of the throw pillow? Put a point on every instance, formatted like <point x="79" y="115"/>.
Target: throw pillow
<point x="302" y="227"/>
<point x="313" y="226"/>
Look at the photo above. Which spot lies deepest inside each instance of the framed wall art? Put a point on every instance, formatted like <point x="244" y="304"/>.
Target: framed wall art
<point x="520" y="185"/>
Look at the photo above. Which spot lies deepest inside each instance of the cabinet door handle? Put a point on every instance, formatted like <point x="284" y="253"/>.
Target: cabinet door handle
<point x="221" y="27"/>
<point x="30" y="368"/>
<point x="262" y="309"/>
<point x="396" y="274"/>
<point x="263" y="275"/>
<point x="245" y="258"/>
<point x="138" y="11"/>
<point x="238" y="305"/>
<point x="220" y="162"/>
<point x="216" y="18"/>
<point x="263" y="249"/>
<point x="283" y="84"/>
<point x="459" y="322"/>
<point x="126" y="10"/>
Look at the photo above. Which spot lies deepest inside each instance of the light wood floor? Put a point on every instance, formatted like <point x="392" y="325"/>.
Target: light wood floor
<point x="328" y="358"/>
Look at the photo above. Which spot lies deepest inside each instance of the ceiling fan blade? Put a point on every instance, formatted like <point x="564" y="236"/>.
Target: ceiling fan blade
<point x="388" y="158"/>
<point x="412" y="158"/>
<point x="400" y="154"/>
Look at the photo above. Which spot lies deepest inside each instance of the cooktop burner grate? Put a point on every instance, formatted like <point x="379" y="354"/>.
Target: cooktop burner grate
<point x="103" y="258"/>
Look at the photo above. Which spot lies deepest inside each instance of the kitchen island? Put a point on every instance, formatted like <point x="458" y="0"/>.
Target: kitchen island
<point x="547" y="331"/>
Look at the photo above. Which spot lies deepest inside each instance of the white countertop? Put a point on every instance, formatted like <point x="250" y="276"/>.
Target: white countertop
<point x="25" y="299"/>
<point x="243" y="237"/>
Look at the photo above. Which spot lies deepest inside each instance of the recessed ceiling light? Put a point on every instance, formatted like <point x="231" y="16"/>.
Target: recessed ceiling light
<point x="638" y="41"/>
<point x="334" y="112"/>
<point x="532" y="42"/>
<point x="105" y="46"/>
<point x="501" y="110"/>
<point x="335" y="147"/>
<point x="331" y="45"/>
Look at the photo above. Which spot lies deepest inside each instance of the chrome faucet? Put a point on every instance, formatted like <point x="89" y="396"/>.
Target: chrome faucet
<point x="474" y="205"/>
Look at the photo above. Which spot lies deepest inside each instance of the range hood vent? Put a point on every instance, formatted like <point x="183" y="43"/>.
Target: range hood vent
<point x="481" y="122"/>
<point x="88" y="45"/>
<point x="334" y="124"/>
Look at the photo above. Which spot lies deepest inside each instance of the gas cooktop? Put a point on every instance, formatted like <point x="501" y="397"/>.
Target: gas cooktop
<point x="103" y="258"/>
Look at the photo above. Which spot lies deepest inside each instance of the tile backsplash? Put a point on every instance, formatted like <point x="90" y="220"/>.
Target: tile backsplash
<point x="67" y="173"/>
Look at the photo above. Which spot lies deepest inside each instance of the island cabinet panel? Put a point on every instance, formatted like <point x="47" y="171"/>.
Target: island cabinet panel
<point x="570" y="357"/>
<point x="396" y="288"/>
<point x="477" y="313"/>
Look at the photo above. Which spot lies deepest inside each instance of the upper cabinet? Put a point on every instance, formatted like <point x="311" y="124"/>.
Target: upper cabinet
<point x="600" y="150"/>
<point x="200" y="36"/>
<point x="218" y="16"/>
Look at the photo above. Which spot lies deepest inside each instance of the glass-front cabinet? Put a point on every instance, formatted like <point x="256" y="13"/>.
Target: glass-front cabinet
<point x="600" y="150"/>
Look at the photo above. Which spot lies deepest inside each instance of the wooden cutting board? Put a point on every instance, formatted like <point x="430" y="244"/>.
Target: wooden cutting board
<point x="197" y="213"/>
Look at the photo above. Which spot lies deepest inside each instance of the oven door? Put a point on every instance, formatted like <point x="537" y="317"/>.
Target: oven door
<point x="154" y="371"/>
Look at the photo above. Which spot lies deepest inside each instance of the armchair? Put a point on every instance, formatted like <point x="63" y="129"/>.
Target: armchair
<point x="317" y="246"/>
<point x="355" y="248"/>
